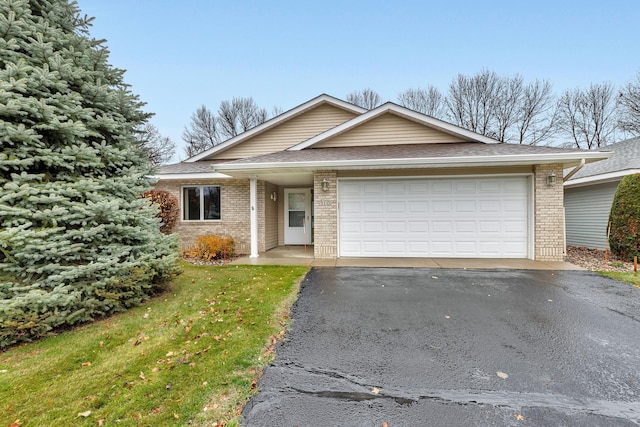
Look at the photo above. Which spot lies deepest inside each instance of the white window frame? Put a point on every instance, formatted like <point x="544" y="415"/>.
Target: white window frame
<point x="201" y="203"/>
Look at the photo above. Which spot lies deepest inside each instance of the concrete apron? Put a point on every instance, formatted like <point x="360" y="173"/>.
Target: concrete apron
<point x="299" y="255"/>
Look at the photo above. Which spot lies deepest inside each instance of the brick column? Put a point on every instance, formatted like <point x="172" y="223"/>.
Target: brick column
<point x="325" y="207"/>
<point x="549" y="214"/>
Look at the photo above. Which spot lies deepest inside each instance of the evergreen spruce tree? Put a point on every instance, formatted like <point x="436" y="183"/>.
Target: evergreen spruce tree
<point x="77" y="240"/>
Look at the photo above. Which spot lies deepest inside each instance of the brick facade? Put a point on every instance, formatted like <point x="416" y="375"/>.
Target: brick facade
<point x="549" y="214"/>
<point x="235" y="222"/>
<point x="325" y="206"/>
<point x="235" y="215"/>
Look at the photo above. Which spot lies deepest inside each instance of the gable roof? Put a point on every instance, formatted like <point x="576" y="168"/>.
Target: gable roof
<point x="390" y="107"/>
<point x="625" y="161"/>
<point x="275" y="121"/>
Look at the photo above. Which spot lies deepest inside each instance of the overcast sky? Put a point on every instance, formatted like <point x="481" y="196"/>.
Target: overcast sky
<point x="182" y="54"/>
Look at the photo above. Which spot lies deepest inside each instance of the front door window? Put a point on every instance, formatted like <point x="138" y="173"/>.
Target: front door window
<point x="297" y="216"/>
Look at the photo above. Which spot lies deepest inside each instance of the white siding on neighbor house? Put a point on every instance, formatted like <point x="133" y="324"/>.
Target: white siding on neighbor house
<point x="289" y="133"/>
<point x="587" y="214"/>
<point x="388" y="129"/>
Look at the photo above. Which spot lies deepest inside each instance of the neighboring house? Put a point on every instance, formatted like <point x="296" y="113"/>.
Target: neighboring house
<point x="389" y="182"/>
<point x="589" y="194"/>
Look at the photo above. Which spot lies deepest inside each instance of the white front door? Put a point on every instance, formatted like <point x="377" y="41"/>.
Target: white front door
<point x="297" y="216"/>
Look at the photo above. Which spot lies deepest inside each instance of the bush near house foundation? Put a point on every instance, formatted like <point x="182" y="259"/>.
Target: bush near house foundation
<point x="212" y="247"/>
<point x="168" y="205"/>
<point x="624" y="234"/>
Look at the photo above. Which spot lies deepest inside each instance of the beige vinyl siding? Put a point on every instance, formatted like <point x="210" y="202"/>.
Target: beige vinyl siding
<point x="289" y="133"/>
<point x="388" y="129"/>
<point x="587" y="214"/>
<point x="270" y="217"/>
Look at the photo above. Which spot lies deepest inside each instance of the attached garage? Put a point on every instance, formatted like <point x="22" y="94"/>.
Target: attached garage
<point x="471" y="217"/>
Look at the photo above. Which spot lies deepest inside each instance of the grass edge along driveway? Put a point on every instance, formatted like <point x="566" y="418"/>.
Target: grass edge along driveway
<point x="188" y="356"/>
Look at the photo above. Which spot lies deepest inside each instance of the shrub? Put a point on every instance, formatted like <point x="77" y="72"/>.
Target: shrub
<point x="624" y="236"/>
<point x="210" y="247"/>
<point x="168" y="205"/>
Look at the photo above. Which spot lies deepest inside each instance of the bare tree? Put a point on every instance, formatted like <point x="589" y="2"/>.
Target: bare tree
<point x="588" y="116"/>
<point x="426" y="101"/>
<point x="159" y="149"/>
<point x="472" y="100"/>
<point x="508" y="99"/>
<point x="366" y="98"/>
<point x="202" y="133"/>
<point x="537" y="115"/>
<point x="239" y="115"/>
<point x="629" y="107"/>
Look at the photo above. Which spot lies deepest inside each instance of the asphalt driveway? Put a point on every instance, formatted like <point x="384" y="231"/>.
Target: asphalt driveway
<point x="413" y="347"/>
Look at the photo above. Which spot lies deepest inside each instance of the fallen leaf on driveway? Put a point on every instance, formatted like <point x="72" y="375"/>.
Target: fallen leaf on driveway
<point x="385" y="424"/>
<point x="502" y="375"/>
<point x="519" y="417"/>
<point x="375" y="390"/>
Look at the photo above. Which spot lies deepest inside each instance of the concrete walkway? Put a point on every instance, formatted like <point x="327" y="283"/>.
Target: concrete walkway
<point x="299" y="255"/>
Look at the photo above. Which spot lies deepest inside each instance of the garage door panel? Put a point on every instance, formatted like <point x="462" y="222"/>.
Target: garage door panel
<point x="418" y="248"/>
<point x="396" y="248"/>
<point x="441" y="187"/>
<point x="374" y="247"/>
<point x="395" y="189"/>
<point x="373" y="226"/>
<point x="441" y="248"/>
<point x="441" y="206"/>
<point x="489" y="206"/>
<point x="395" y="226"/>
<point x="465" y="206"/>
<point x="418" y="226"/>
<point x="489" y="227"/>
<point x="441" y="226"/>
<point x="464" y="248"/>
<point x="466" y="227"/>
<point x="465" y="187"/>
<point x="418" y="187"/>
<point x="489" y="186"/>
<point x="438" y="217"/>
<point x="419" y="207"/>
<point x="350" y="227"/>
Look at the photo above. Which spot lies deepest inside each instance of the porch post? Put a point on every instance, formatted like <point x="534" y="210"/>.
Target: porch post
<point x="253" y="201"/>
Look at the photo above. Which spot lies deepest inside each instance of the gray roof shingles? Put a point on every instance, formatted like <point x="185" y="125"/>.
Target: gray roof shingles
<point x="408" y="151"/>
<point x="626" y="156"/>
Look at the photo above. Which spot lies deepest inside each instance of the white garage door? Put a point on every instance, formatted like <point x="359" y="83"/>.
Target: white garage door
<point x="448" y="217"/>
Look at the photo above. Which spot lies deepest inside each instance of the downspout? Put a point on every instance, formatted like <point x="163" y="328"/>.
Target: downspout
<point x="253" y="202"/>
<point x="574" y="170"/>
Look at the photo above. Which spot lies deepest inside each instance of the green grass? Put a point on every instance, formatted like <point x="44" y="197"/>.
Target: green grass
<point x="189" y="356"/>
<point x="631" y="278"/>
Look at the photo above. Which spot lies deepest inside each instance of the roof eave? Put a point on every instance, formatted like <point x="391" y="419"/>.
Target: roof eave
<point x="413" y="163"/>
<point x="187" y="176"/>
<point x="600" y="178"/>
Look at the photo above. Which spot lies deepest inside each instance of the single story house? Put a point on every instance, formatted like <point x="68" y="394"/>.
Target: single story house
<point x="589" y="194"/>
<point x="386" y="182"/>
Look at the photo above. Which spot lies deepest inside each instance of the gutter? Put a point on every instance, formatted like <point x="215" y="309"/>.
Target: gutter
<point x="496" y="160"/>
<point x="575" y="170"/>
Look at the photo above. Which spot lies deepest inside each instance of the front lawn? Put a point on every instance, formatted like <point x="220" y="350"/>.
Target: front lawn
<point x="631" y="278"/>
<point x="189" y="356"/>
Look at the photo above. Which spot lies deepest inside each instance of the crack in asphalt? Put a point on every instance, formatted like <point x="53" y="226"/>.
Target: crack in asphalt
<point x="362" y="391"/>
